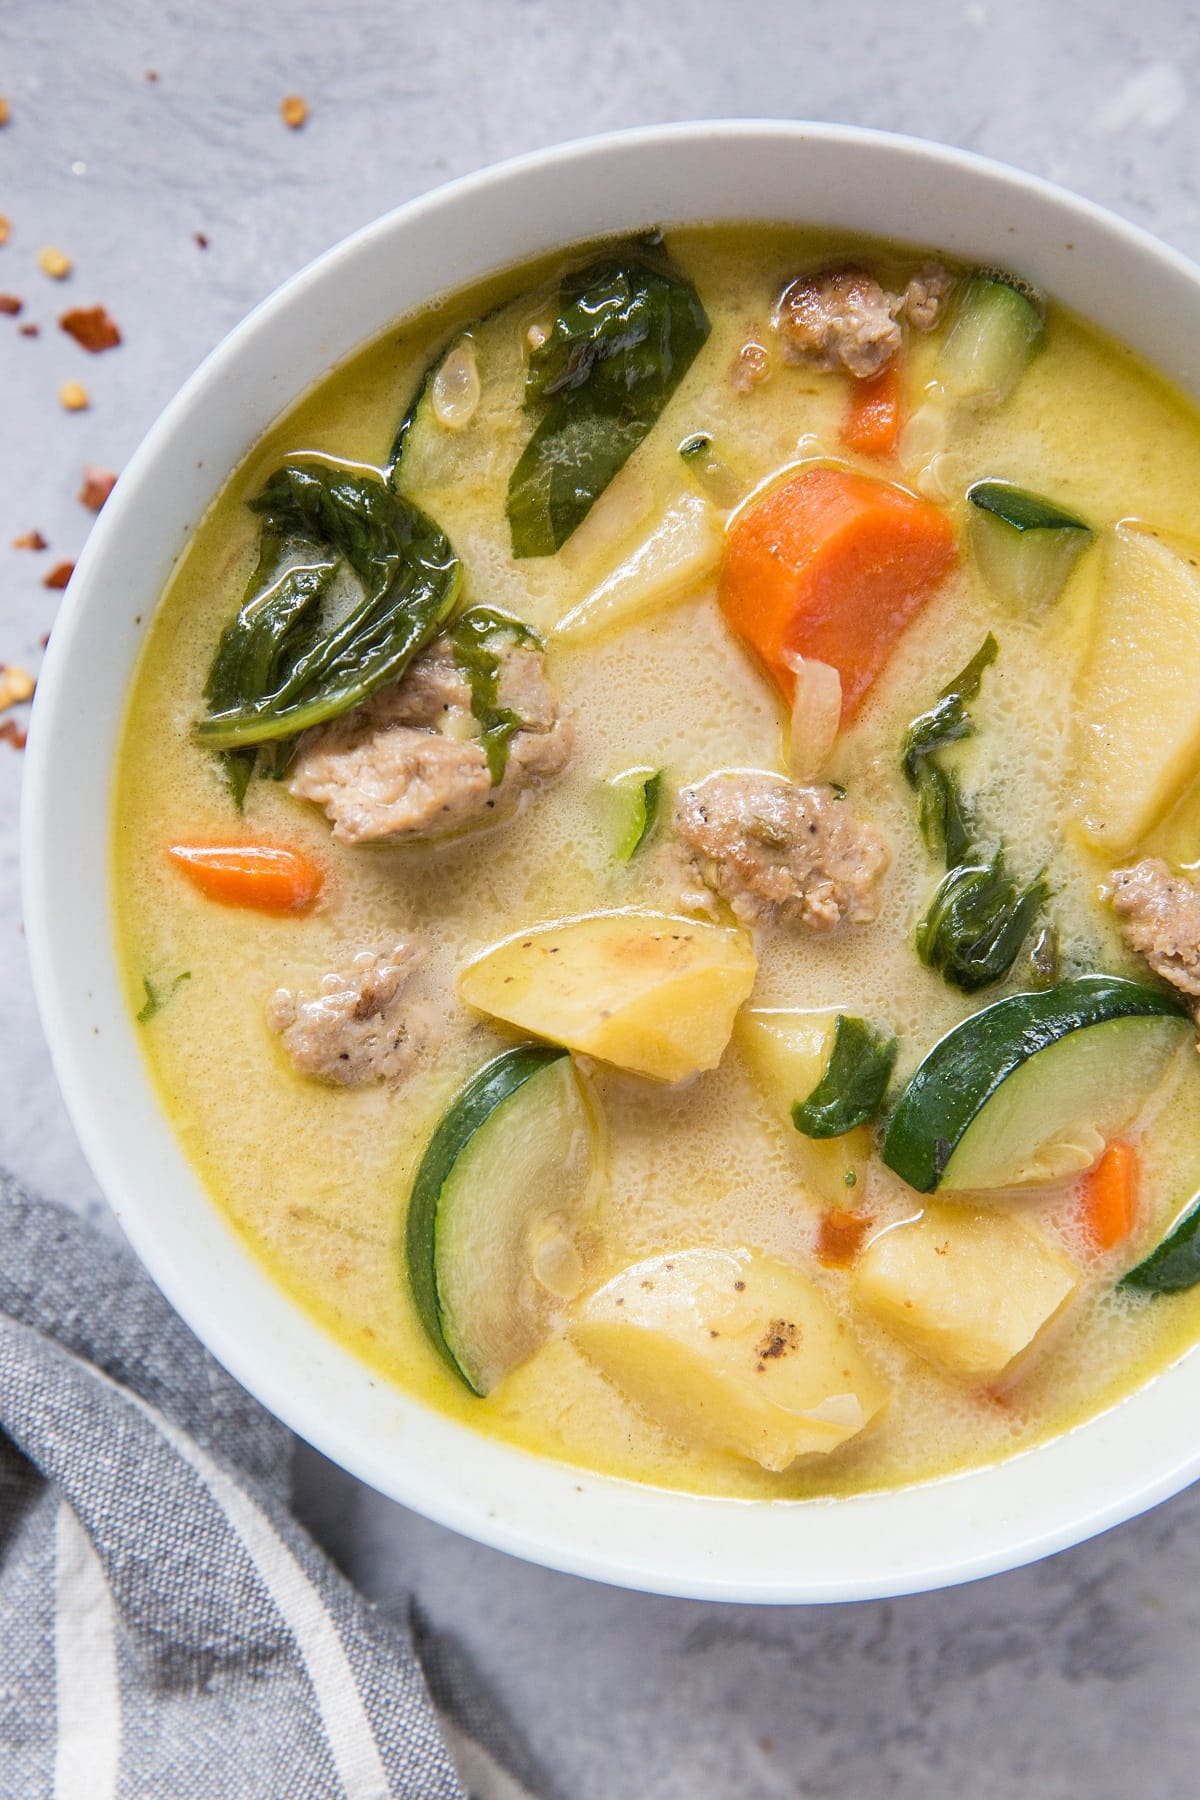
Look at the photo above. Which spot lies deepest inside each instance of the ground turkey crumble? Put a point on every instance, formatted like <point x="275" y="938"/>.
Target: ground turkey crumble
<point x="844" y="318"/>
<point x="1160" y="919"/>
<point x="409" y="764"/>
<point x="777" y="851"/>
<point x="358" y="1026"/>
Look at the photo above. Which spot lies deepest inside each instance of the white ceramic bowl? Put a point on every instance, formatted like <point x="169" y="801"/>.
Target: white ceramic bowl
<point x="948" y="1531"/>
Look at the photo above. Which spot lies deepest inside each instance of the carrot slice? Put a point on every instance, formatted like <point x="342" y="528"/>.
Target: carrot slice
<point x="833" y="566"/>
<point x="264" y="876"/>
<point x="872" y="420"/>
<point x="1109" y="1197"/>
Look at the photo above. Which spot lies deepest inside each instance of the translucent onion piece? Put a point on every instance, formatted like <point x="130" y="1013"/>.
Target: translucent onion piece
<point x="454" y="394"/>
<point x="554" y="1259"/>
<point x="936" y="479"/>
<point x="816" y="716"/>
<point x="923" y="437"/>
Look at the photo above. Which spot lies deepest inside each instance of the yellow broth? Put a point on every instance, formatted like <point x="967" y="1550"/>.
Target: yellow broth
<point x="316" y="1178"/>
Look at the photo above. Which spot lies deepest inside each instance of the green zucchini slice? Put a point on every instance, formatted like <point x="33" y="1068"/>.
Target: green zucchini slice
<point x="1027" y="1090"/>
<point x="1026" y="547"/>
<point x="997" y="325"/>
<point x="635" y="800"/>
<point x="489" y="1238"/>
<point x="1174" y="1265"/>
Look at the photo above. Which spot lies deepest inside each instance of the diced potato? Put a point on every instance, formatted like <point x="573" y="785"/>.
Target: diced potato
<point x="732" y="1350"/>
<point x="970" y="1292"/>
<point x="1137" y="708"/>
<point x="682" y="551"/>
<point x="648" y="992"/>
<point x="787" y="1052"/>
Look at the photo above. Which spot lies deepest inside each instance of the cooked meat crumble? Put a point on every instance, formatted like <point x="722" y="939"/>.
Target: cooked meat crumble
<point x="845" y="319"/>
<point x="358" y="1026"/>
<point x="1160" y="919"/>
<point x="409" y="764"/>
<point x="777" y="851"/>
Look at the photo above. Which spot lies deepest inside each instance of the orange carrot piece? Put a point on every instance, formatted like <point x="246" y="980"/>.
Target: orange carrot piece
<point x="1109" y="1197"/>
<point x="840" y="1235"/>
<point x="833" y="566"/>
<point x="872" y="420"/>
<point x="263" y="876"/>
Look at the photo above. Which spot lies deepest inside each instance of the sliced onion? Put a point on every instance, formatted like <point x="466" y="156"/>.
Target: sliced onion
<point x="454" y="394"/>
<point x="924" y="436"/>
<point x="554" y="1259"/>
<point x="936" y="479"/>
<point x="816" y="716"/>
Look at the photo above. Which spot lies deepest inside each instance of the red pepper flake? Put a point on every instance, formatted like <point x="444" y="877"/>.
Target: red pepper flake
<point x="201" y="240"/>
<point x="92" y="327"/>
<point x="840" y="1235"/>
<point x="28" y="330"/>
<point x="13" y="734"/>
<point x="30" y="540"/>
<point x="10" y="306"/>
<point x="59" y="575"/>
<point x="98" y="484"/>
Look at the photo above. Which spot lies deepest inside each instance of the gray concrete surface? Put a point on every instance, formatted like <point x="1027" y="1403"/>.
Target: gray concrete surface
<point x="1081" y="1676"/>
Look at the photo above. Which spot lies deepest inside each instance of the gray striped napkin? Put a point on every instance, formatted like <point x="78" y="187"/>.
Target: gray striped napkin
<point x="167" y="1630"/>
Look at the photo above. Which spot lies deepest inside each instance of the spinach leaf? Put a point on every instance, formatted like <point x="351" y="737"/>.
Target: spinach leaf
<point x="157" y="997"/>
<point x="853" y="1085"/>
<point x="1175" y="1265"/>
<point x="476" y="639"/>
<point x="284" y="664"/>
<point x="976" y="923"/>
<point x="627" y="330"/>
<point x="944" y="821"/>
<point x="979" y="917"/>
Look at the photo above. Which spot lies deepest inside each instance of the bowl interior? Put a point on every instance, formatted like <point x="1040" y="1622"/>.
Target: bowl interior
<point x="866" y="183"/>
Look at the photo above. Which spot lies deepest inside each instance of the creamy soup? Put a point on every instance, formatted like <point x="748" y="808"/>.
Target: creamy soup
<point x="656" y="896"/>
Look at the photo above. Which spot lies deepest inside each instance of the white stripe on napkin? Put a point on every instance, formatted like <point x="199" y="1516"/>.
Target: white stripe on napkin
<point x="483" y="1775"/>
<point x="87" y="1692"/>
<point x="351" y="1740"/>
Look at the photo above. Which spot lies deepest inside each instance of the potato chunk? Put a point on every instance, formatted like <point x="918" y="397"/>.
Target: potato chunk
<point x="1137" y="708"/>
<point x="787" y="1052"/>
<point x="970" y="1292"/>
<point x="650" y="993"/>
<point x="731" y="1350"/>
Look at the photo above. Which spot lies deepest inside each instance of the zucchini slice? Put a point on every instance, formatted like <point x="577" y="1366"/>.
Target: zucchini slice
<point x="490" y="1251"/>
<point x="1026" y="1090"/>
<point x="997" y="325"/>
<point x="636" y="800"/>
<point x="1174" y="1265"/>
<point x="1025" y="546"/>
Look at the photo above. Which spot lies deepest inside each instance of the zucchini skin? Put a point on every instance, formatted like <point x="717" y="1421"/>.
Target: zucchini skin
<point x="470" y="1109"/>
<point x="1023" y="510"/>
<point x="1174" y="1265"/>
<point x="960" y="1074"/>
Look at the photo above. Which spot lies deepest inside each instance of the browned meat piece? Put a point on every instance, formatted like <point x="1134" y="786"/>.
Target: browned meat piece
<point x="778" y="851"/>
<point x="926" y="294"/>
<point x="1160" y="919"/>
<point x="409" y="764"/>
<point x="839" y="319"/>
<point x="357" y="1026"/>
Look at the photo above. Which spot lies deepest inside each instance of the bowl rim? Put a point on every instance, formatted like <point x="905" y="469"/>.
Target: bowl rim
<point x="963" y="1526"/>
